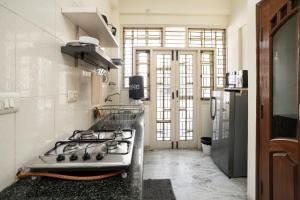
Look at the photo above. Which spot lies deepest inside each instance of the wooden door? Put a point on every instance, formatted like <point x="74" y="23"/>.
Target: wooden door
<point x="278" y="100"/>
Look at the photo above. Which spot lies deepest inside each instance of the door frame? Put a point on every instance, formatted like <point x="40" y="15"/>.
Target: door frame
<point x="198" y="101"/>
<point x="258" y="185"/>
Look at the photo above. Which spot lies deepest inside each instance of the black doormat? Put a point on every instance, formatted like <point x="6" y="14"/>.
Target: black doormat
<point x="159" y="189"/>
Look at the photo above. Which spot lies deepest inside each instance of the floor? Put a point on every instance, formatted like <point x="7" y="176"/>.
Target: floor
<point x="194" y="176"/>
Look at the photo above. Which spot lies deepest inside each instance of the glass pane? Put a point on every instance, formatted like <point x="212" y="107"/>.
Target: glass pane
<point x="285" y="80"/>
<point x="186" y="97"/>
<point x="163" y="97"/>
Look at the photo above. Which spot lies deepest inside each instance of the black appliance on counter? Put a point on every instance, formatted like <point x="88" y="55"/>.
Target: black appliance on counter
<point x="136" y="87"/>
<point x="229" y="112"/>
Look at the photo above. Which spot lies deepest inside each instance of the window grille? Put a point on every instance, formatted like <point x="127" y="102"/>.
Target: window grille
<point x="142" y="69"/>
<point x="137" y="37"/>
<point x="212" y="38"/>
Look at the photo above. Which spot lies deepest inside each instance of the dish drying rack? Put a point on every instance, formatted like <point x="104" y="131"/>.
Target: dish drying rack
<point x="119" y="115"/>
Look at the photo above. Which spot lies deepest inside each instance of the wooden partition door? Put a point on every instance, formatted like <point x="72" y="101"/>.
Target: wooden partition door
<point x="278" y="100"/>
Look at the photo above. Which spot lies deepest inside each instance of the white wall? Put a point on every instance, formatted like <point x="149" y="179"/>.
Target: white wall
<point x="32" y="65"/>
<point x="244" y="12"/>
<point x="252" y="98"/>
<point x="205" y="13"/>
<point x="238" y="21"/>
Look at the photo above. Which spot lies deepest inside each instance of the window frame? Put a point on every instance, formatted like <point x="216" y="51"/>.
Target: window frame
<point x="187" y="46"/>
<point x="216" y="56"/>
<point x="136" y="47"/>
<point x="135" y="69"/>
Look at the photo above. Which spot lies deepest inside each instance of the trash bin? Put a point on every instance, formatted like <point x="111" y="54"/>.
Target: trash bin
<point x="206" y="145"/>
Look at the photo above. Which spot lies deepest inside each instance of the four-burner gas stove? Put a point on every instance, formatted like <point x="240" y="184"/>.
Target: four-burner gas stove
<point x="88" y="150"/>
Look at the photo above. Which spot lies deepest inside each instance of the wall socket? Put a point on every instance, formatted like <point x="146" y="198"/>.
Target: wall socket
<point x="72" y="96"/>
<point x="9" y="102"/>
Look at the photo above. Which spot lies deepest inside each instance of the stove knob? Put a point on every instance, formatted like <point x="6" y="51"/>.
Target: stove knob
<point x="60" y="157"/>
<point x="73" y="157"/>
<point x="86" y="156"/>
<point x="99" y="156"/>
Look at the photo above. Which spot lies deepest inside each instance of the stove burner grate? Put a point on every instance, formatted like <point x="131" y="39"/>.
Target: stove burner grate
<point x="72" y="146"/>
<point x="111" y="145"/>
<point x="89" y="134"/>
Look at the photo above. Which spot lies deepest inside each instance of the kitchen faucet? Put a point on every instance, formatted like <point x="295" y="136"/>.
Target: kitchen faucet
<point x="108" y="98"/>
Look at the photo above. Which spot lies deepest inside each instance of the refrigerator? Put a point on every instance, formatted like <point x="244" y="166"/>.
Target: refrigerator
<point x="229" y="112"/>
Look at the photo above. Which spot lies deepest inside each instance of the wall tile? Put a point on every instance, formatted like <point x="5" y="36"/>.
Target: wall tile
<point x="35" y="60"/>
<point x="31" y="64"/>
<point x="83" y="109"/>
<point x="34" y="128"/>
<point x="8" y="3"/>
<point x="7" y="50"/>
<point x="7" y="147"/>
<point x="65" y="29"/>
<point x="39" y="12"/>
<point x="68" y="75"/>
<point x="64" y="116"/>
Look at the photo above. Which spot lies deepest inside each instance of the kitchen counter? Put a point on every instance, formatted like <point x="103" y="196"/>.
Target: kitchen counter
<point x="109" y="189"/>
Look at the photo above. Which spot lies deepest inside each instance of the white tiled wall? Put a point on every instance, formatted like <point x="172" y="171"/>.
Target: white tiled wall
<point x="31" y="64"/>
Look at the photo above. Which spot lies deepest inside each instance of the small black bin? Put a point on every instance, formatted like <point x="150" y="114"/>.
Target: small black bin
<point x="206" y="145"/>
<point x="206" y="140"/>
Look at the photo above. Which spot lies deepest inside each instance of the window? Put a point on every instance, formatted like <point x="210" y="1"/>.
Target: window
<point x="137" y="37"/>
<point x="207" y="74"/>
<point x="142" y="64"/>
<point x="175" y="37"/>
<point x="212" y="38"/>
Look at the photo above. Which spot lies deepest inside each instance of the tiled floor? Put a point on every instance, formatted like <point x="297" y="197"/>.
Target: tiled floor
<point x="194" y="176"/>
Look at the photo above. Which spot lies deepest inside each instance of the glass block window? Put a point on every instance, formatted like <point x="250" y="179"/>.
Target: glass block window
<point x="142" y="69"/>
<point x="175" y="36"/>
<point x="212" y="38"/>
<point x="137" y="37"/>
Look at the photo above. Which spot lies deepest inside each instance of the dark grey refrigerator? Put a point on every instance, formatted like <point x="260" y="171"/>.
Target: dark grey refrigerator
<point x="229" y="112"/>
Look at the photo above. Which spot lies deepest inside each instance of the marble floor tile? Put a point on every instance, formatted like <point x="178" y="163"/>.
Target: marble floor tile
<point x="194" y="176"/>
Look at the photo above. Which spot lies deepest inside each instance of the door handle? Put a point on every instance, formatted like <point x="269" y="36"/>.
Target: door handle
<point x="213" y="115"/>
<point x="173" y="95"/>
<point x="177" y="93"/>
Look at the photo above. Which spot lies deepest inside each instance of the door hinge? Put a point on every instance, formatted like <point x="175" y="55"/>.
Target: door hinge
<point x="261" y="188"/>
<point x="261" y="111"/>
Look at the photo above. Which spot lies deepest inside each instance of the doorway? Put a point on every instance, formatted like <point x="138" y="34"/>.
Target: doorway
<point x="174" y="97"/>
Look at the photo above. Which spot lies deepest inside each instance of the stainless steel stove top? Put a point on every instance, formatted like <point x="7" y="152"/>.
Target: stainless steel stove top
<point x="88" y="150"/>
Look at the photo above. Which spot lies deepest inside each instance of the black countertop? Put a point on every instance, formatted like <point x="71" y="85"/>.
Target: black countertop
<point x="108" y="189"/>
